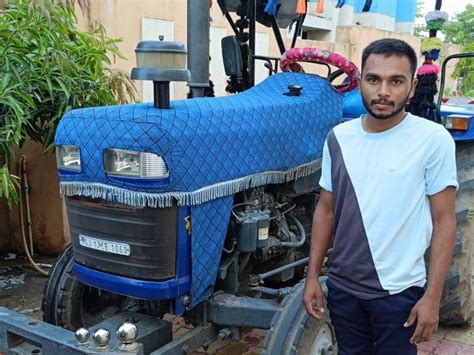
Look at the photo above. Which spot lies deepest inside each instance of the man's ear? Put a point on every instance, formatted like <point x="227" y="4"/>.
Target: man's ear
<point x="413" y="87"/>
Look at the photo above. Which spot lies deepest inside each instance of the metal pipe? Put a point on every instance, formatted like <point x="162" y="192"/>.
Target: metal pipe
<point x="438" y="4"/>
<point x="282" y="268"/>
<point x="295" y="34"/>
<point x="26" y="189"/>
<point x="299" y="25"/>
<point x="280" y="292"/>
<point x="21" y="170"/>
<point x="277" y="33"/>
<point x="272" y="68"/>
<point x="198" y="46"/>
<point x="302" y="235"/>
<point x="231" y="23"/>
<point x="161" y="94"/>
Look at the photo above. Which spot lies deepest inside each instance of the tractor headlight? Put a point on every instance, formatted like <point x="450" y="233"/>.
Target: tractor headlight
<point x="457" y="122"/>
<point x="68" y="157"/>
<point x="127" y="163"/>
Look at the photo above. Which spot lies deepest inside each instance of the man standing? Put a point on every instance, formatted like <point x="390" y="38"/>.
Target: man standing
<point x="387" y="193"/>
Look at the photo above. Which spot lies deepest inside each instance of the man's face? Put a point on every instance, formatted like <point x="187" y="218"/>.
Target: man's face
<point x="386" y="85"/>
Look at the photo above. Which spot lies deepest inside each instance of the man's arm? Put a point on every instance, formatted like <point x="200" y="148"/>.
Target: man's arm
<point x="426" y="311"/>
<point x="321" y="234"/>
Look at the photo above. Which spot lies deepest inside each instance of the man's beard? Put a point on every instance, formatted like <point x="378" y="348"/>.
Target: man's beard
<point x="396" y="111"/>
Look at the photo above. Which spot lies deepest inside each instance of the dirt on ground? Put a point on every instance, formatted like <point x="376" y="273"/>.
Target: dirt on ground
<point x="21" y="288"/>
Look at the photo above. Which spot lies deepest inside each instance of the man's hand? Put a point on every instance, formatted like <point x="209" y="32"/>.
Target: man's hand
<point x="426" y="310"/>
<point x="426" y="314"/>
<point x="313" y="292"/>
<point x="320" y="239"/>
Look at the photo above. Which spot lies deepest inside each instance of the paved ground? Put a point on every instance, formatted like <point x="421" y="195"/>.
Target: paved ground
<point x="21" y="290"/>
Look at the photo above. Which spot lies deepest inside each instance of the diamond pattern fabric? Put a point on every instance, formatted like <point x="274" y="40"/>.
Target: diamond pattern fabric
<point x="210" y="221"/>
<point x="353" y="106"/>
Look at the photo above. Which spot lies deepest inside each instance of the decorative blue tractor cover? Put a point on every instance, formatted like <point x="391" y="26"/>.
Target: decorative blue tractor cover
<point x="213" y="148"/>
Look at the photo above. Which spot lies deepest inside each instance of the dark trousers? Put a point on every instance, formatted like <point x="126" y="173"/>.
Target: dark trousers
<point x="366" y="327"/>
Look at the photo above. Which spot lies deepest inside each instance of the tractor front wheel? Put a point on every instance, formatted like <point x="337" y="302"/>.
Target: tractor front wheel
<point x="70" y="304"/>
<point x="293" y="331"/>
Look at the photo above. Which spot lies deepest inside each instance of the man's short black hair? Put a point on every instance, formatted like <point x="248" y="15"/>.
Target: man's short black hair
<point x="388" y="47"/>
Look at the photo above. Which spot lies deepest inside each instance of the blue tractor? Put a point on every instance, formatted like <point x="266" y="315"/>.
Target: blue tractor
<point x="200" y="208"/>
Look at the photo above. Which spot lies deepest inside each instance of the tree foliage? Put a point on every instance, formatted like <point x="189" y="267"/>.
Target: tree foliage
<point x="48" y="67"/>
<point x="461" y="31"/>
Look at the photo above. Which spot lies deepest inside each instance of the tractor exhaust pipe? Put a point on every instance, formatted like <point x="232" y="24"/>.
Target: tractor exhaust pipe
<point x="198" y="46"/>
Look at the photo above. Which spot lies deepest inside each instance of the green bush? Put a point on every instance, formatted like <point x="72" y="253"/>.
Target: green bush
<point x="48" y="67"/>
<point x="460" y="31"/>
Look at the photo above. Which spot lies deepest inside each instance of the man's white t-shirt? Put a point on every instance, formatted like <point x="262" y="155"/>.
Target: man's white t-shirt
<point x="381" y="183"/>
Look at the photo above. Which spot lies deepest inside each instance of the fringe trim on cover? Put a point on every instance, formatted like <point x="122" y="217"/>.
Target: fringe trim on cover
<point x="205" y="194"/>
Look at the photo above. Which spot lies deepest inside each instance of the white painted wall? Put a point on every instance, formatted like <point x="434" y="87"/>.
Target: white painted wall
<point x="375" y="20"/>
<point x="216" y="67"/>
<point x="261" y="48"/>
<point x="346" y="15"/>
<point x="405" y="27"/>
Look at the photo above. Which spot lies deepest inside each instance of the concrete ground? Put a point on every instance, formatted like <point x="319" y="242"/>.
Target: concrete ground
<point x="21" y="290"/>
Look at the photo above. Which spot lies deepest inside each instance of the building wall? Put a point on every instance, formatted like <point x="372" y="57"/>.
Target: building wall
<point x="358" y="37"/>
<point x="5" y="235"/>
<point x="48" y="216"/>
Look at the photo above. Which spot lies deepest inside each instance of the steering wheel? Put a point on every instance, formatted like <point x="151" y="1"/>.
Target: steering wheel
<point x="289" y="62"/>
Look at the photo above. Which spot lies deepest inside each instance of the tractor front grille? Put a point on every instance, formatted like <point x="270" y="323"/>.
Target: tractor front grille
<point x="103" y="233"/>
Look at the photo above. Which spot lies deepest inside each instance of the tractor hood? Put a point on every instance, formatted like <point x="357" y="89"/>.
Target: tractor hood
<point x="212" y="147"/>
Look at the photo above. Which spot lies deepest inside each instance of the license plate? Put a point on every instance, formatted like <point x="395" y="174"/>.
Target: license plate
<point x="104" y="245"/>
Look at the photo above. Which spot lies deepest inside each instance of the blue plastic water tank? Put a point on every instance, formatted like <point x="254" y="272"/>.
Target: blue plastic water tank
<point x="350" y="3"/>
<point x="406" y="11"/>
<point x="358" y="5"/>
<point x="384" y="7"/>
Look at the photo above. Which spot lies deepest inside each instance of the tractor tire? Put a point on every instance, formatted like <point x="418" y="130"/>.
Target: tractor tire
<point x="293" y="331"/>
<point x="456" y="307"/>
<point x="69" y="304"/>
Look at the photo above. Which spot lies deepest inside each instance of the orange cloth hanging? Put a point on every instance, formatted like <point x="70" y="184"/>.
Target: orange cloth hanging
<point x="301" y="7"/>
<point x="320" y="8"/>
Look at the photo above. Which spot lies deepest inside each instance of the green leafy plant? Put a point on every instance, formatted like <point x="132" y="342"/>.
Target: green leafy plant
<point x="48" y="67"/>
<point x="9" y="185"/>
<point x="461" y="31"/>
